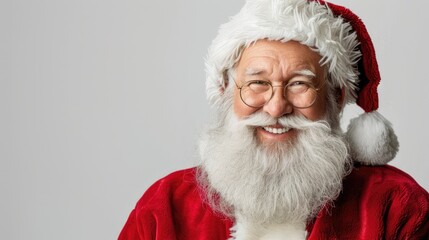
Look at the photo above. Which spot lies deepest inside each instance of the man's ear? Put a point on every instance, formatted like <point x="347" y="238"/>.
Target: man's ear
<point x="225" y="82"/>
<point x="340" y="96"/>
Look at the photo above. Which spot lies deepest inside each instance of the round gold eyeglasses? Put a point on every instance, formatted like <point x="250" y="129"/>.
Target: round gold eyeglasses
<point x="256" y="93"/>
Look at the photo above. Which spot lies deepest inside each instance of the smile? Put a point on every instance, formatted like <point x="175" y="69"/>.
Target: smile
<point x="276" y="130"/>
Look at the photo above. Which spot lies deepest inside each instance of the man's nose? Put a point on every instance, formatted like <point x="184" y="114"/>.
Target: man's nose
<point x="278" y="106"/>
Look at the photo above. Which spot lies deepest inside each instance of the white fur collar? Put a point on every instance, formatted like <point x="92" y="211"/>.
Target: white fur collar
<point x="286" y="231"/>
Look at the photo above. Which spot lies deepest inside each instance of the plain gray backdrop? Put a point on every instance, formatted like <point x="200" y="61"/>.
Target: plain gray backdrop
<point x="99" y="98"/>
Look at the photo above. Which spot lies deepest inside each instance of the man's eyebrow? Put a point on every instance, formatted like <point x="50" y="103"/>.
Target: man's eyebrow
<point x="253" y="71"/>
<point x="305" y="72"/>
<point x="302" y="72"/>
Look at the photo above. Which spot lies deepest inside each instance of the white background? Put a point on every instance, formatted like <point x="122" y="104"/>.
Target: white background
<point x="99" y="98"/>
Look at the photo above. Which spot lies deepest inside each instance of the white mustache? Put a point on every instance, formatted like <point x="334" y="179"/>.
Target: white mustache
<point x="262" y="119"/>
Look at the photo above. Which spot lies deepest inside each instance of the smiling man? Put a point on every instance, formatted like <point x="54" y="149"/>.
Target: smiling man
<point x="275" y="163"/>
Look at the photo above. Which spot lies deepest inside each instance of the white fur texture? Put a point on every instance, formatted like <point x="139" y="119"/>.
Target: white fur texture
<point x="242" y="231"/>
<point x="307" y="22"/>
<point x="372" y="140"/>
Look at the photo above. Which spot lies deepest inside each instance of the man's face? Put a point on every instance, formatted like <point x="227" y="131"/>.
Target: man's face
<point x="280" y="63"/>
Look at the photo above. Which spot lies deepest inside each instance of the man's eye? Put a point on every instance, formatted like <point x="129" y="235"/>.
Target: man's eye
<point x="297" y="83"/>
<point x="298" y="87"/>
<point x="259" y="83"/>
<point x="258" y="86"/>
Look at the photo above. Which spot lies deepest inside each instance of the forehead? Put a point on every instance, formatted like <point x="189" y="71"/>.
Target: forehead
<point x="285" y="56"/>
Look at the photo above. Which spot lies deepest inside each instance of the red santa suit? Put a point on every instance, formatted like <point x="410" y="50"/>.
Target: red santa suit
<point x="377" y="202"/>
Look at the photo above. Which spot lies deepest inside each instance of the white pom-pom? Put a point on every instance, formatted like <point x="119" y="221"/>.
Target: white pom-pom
<point x="372" y="140"/>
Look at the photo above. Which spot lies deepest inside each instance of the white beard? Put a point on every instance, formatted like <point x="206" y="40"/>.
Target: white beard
<point x="265" y="185"/>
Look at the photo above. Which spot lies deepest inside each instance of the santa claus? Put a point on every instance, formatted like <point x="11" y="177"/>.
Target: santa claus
<point x="275" y="163"/>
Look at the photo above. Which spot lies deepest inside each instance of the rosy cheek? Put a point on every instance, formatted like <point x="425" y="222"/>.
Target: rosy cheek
<point x="240" y="109"/>
<point x="315" y="112"/>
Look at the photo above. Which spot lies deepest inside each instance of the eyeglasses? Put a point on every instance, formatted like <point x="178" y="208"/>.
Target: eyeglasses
<point x="300" y="94"/>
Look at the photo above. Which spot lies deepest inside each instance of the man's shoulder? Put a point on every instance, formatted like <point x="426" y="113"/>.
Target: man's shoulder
<point x="383" y="200"/>
<point x="179" y="177"/>
<point x="173" y="208"/>
<point x="181" y="182"/>
<point x="385" y="181"/>
<point x="383" y="174"/>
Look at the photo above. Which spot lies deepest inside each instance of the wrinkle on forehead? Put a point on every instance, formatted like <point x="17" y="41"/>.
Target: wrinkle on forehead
<point x="279" y="60"/>
<point x="256" y="71"/>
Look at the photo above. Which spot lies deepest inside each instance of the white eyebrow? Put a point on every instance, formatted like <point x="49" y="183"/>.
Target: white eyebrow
<point x="305" y="72"/>
<point x="252" y="71"/>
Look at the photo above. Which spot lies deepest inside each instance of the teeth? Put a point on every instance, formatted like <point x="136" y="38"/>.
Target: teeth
<point x="276" y="130"/>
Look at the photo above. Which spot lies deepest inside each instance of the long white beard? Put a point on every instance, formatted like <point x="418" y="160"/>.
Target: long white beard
<point x="271" y="184"/>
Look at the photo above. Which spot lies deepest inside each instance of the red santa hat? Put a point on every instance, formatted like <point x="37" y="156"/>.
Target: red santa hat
<point x="342" y="40"/>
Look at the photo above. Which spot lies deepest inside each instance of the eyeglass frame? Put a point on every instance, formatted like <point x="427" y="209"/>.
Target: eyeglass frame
<point x="311" y="85"/>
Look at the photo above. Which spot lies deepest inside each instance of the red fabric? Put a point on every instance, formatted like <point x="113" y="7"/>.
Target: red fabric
<point x="377" y="202"/>
<point x="172" y="209"/>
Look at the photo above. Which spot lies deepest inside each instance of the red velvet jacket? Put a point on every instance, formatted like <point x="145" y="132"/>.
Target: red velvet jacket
<point x="376" y="203"/>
